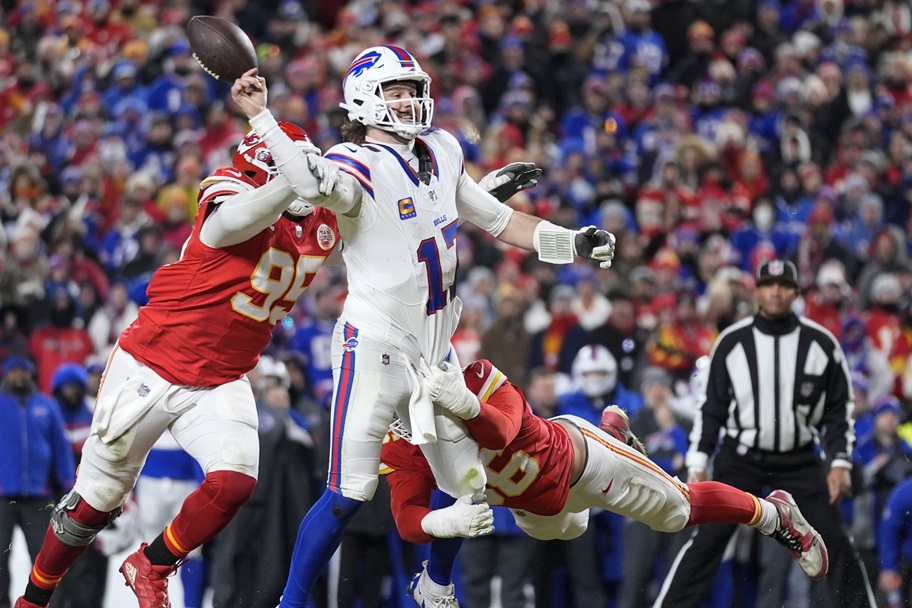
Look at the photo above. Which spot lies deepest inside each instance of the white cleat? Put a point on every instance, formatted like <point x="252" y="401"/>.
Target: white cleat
<point x="428" y="594"/>
<point x="797" y="535"/>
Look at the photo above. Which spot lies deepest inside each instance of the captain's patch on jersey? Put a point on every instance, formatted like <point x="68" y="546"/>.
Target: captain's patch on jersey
<point x="407" y="208"/>
<point x="326" y="238"/>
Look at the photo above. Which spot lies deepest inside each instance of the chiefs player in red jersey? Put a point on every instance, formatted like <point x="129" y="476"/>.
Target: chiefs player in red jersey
<point x="181" y="365"/>
<point x="550" y="472"/>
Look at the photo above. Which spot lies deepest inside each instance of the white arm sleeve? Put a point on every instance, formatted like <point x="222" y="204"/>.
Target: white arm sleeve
<point x="293" y="164"/>
<point x="247" y="213"/>
<point x="476" y="205"/>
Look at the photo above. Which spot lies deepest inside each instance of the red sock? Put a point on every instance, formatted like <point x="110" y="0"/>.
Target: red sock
<point x="55" y="558"/>
<point x="208" y="510"/>
<point x="712" y="502"/>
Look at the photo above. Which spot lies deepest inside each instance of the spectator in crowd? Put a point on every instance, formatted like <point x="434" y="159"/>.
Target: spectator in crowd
<point x="506" y="339"/>
<point x="13" y="339"/>
<point x="312" y="339"/>
<point x="882" y="322"/>
<point x="557" y="344"/>
<point x="883" y="460"/>
<point x="112" y="318"/>
<point x="895" y="546"/>
<point x="86" y="587"/>
<point x="888" y="255"/>
<point x="591" y="307"/>
<point x="818" y="245"/>
<point x="59" y="341"/>
<point x="681" y="337"/>
<point x="595" y="377"/>
<point x="829" y="302"/>
<point x="622" y="336"/>
<point x="37" y="465"/>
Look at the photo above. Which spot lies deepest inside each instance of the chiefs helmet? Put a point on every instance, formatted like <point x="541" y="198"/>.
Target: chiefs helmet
<point x="254" y="160"/>
<point x="363" y="90"/>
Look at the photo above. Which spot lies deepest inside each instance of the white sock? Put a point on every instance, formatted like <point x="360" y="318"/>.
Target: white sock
<point x="436" y="588"/>
<point x="769" y="517"/>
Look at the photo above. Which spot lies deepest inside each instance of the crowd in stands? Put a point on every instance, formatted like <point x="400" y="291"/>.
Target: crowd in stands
<point x="709" y="136"/>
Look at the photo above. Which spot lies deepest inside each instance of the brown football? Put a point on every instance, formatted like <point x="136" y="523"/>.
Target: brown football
<point x="221" y="47"/>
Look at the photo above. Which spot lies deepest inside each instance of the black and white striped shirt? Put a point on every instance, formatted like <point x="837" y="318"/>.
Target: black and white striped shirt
<point x="772" y="386"/>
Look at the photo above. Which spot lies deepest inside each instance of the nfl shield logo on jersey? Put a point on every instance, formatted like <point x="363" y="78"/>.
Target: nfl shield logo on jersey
<point x="326" y="238"/>
<point x="143" y="390"/>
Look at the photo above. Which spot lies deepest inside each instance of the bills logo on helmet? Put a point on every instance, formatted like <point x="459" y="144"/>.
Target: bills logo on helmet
<point x="363" y="63"/>
<point x="326" y="238"/>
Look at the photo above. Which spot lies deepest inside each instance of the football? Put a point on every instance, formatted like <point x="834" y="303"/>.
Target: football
<point x="221" y="47"/>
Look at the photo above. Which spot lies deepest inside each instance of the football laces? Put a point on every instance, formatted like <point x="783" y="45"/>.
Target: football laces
<point x="206" y="69"/>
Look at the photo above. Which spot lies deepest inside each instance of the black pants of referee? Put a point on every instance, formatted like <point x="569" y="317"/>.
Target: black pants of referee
<point x="800" y="473"/>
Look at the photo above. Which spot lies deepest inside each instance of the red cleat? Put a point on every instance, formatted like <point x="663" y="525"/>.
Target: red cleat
<point x="148" y="581"/>
<point x="616" y="423"/>
<point x="797" y="535"/>
<point x="23" y="603"/>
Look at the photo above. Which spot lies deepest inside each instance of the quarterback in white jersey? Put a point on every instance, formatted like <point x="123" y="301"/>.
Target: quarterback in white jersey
<point x="401" y="194"/>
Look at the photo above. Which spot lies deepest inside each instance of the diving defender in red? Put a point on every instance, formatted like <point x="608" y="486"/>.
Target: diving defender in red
<point x="550" y="472"/>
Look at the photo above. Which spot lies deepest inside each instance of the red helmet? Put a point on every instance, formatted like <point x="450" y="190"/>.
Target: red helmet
<point x="253" y="158"/>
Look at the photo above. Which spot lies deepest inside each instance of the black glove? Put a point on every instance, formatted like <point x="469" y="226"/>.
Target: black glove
<point x="507" y="181"/>
<point x="594" y="244"/>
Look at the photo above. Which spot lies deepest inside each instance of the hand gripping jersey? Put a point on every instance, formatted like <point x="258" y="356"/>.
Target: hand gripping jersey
<point x="400" y="251"/>
<point x="532" y="471"/>
<point x="211" y="313"/>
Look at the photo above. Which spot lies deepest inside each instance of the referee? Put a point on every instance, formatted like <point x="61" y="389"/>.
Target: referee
<point x="780" y="396"/>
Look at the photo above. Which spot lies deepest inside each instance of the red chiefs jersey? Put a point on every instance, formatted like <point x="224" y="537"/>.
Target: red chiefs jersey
<point x="528" y="459"/>
<point x="211" y="314"/>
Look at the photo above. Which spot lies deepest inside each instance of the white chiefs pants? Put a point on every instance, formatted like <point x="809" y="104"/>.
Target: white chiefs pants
<point x="217" y="426"/>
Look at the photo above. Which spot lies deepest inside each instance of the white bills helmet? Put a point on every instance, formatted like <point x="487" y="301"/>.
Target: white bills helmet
<point x="595" y="370"/>
<point x="363" y="90"/>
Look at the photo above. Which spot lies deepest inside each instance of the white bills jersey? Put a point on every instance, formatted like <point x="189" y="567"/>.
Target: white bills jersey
<point x="400" y="250"/>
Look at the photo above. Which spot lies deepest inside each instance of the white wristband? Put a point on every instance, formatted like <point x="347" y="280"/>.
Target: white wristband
<point x="265" y="125"/>
<point x="696" y="460"/>
<point x="553" y="243"/>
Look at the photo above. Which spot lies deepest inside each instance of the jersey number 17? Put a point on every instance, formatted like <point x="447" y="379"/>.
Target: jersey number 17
<point x="440" y="294"/>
